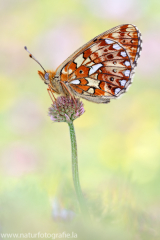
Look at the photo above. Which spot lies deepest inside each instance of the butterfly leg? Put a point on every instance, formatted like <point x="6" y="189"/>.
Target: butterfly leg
<point x="70" y="94"/>
<point x="50" y="92"/>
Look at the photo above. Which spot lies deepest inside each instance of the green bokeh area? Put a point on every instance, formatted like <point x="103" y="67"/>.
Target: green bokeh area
<point x="118" y="143"/>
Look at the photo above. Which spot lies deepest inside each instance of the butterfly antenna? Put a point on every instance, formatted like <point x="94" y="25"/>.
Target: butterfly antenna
<point x="31" y="56"/>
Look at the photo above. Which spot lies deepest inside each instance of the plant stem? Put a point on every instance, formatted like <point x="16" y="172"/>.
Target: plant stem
<point x="75" y="170"/>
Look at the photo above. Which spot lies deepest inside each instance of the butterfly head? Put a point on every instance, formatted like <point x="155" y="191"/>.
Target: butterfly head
<point x="46" y="76"/>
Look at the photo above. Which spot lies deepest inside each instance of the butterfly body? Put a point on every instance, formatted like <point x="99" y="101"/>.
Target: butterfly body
<point x="100" y="70"/>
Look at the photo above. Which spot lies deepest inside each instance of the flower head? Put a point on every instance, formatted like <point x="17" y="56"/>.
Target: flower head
<point x="65" y="109"/>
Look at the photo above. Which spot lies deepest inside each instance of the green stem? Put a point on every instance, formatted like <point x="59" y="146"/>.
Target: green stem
<point x="75" y="169"/>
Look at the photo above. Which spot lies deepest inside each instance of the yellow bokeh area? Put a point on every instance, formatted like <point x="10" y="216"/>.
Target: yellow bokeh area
<point x="118" y="143"/>
<point x="8" y="93"/>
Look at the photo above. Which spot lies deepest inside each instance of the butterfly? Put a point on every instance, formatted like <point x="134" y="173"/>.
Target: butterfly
<point x="101" y="69"/>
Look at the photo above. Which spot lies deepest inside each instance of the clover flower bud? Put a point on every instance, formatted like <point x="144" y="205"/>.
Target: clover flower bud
<point x="65" y="109"/>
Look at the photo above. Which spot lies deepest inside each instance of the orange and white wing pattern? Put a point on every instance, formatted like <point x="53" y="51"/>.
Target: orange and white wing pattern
<point x="103" y="68"/>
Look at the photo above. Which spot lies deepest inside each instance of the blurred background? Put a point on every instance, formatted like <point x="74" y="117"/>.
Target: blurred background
<point x="118" y="143"/>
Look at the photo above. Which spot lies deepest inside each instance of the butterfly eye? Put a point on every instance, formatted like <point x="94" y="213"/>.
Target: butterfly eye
<point x="46" y="76"/>
<point x="80" y="71"/>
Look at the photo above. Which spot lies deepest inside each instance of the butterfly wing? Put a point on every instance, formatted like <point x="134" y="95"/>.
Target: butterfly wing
<point x="103" y="68"/>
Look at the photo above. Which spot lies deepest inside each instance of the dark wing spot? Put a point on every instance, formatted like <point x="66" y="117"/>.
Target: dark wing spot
<point x="110" y="56"/>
